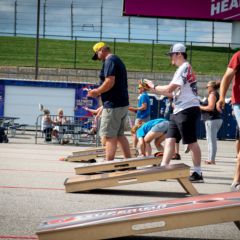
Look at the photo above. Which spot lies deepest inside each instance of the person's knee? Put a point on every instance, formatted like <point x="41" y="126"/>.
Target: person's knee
<point x="147" y="141"/>
<point x="141" y="141"/>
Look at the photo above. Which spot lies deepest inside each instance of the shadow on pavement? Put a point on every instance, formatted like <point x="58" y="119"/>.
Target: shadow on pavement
<point x="159" y="238"/>
<point x="140" y="193"/>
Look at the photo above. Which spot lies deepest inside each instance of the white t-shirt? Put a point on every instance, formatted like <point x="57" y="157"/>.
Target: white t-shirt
<point x="185" y="96"/>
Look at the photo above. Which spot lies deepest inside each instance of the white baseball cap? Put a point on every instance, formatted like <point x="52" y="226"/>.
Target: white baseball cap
<point x="178" y="47"/>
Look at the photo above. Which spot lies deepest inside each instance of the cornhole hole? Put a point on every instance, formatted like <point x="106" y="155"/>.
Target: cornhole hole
<point x="143" y="218"/>
<point x="117" y="164"/>
<point x="179" y="172"/>
<point x="88" y="155"/>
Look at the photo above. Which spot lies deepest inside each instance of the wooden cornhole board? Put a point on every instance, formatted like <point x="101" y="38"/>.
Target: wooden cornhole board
<point x="143" y="218"/>
<point x="117" y="164"/>
<point x="88" y="154"/>
<point x="96" y="151"/>
<point x="179" y="172"/>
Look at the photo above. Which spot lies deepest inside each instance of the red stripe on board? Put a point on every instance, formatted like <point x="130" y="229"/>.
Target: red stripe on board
<point x="26" y="170"/>
<point x="32" y="188"/>
<point x="19" y="237"/>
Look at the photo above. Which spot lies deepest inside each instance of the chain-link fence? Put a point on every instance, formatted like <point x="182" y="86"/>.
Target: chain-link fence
<point x="68" y="29"/>
<point x="103" y="19"/>
<point x="76" y="54"/>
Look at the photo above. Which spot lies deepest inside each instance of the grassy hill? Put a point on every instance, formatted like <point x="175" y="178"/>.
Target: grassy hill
<point x="20" y="51"/>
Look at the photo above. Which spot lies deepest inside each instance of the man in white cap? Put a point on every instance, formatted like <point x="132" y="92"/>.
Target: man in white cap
<point x="113" y="89"/>
<point x="183" y="122"/>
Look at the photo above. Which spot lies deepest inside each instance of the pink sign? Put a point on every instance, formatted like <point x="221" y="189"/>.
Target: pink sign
<point x="221" y="10"/>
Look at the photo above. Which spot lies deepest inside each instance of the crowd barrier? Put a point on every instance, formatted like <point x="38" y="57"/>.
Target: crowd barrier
<point x="75" y="129"/>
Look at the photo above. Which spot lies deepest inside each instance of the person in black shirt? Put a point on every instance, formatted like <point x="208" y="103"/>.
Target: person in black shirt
<point x="212" y="119"/>
<point x="113" y="89"/>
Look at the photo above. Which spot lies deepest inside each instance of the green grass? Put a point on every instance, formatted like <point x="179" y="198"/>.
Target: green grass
<point x="20" y="51"/>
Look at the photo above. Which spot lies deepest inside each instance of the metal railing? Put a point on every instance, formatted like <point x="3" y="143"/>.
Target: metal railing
<point x="78" y="130"/>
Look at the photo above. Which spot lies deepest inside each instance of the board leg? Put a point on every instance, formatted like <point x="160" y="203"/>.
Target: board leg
<point x="187" y="186"/>
<point x="237" y="223"/>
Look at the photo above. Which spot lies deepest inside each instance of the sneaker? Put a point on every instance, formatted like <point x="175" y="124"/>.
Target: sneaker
<point x="195" y="177"/>
<point x="235" y="187"/>
<point x="176" y="156"/>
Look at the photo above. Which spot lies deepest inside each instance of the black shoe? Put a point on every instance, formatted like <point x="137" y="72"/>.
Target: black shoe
<point x="195" y="177"/>
<point x="176" y="156"/>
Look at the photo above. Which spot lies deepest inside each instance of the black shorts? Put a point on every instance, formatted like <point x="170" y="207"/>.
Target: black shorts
<point x="183" y="125"/>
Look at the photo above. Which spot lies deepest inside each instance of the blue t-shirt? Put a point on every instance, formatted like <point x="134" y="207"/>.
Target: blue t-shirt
<point x="117" y="96"/>
<point x="146" y="127"/>
<point x="144" y="98"/>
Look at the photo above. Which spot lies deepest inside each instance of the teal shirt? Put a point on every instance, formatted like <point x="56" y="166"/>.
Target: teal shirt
<point x="144" y="98"/>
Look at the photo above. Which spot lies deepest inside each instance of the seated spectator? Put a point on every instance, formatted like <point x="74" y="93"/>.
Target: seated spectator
<point x="46" y="125"/>
<point x="58" y="130"/>
<point x="149" y="131"/>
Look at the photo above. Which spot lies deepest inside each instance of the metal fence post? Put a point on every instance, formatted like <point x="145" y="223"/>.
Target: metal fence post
<point x="129" y="29"/>
<point x="190" y="60"/>
<point x="229" y="50"/>
<point x="15" y="18"/>
<point x="185" y="32"/>
<point x="101" y="20"/>
<point x="44" y="19"/>
<point x="152" y="56"/>
<point x="157" y="30"/>
<point x="72" y="20"/>
<point x="213" y="33"/>
<point x="37" y="38"/>
<point x="114" y="45"/>
<point x="75" y="53"/>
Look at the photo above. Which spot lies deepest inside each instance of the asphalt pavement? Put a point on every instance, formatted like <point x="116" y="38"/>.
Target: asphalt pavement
<point x="31" y="189"/>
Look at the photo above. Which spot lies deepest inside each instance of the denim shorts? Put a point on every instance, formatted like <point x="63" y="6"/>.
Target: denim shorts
<point x="236" y="109"/>
<point x="160" y="127"/>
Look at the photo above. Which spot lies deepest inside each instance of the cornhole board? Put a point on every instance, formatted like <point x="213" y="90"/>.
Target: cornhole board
<point x="117" y="164"/>
<point x="180" y="172"/>
<point x="143" y="218"/>
<point x="96" y="151"/>
<point x="86" y="155"/>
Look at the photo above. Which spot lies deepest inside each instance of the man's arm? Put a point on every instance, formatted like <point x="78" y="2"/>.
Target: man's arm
<point x="166" y="90"/>
<point x="225" y="83"/>
<point x="106" y="86"/>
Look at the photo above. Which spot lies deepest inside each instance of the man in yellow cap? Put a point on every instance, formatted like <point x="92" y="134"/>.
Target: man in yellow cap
<point x="113" y="89"/>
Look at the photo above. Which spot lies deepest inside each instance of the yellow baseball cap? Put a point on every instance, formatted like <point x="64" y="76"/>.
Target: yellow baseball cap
<point x="96" y="48"/>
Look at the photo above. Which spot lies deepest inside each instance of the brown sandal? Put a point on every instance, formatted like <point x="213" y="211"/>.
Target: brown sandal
<point x="209" y="162"/>
<point x="158" y="154"/>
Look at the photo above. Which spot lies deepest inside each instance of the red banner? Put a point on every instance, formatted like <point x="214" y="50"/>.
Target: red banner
<point x="220" y="10"/>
